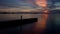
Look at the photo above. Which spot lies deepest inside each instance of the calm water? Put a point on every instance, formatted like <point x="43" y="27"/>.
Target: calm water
<point x="53" y="23"/>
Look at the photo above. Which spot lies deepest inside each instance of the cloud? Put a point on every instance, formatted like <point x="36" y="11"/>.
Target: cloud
<point x="15" y="3"/>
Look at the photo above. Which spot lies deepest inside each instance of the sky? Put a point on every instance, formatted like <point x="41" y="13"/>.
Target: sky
<point x="16" y="3"/>
<point x="19" y="3"/>
<point x="57" y="2"/>
<point x="6" y="3"/>
<point x="23" y="3"/>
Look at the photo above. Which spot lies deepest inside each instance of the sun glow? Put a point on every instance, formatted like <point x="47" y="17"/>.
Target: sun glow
<point x="41" y="25"/>
<point x="41" y="3"/>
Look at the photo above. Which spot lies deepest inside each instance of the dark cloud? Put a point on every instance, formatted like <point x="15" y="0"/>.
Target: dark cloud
<point x="14" y="3"/>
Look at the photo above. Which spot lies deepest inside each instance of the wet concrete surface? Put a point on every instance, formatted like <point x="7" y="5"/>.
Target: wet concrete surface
<point x="17" y="28"/>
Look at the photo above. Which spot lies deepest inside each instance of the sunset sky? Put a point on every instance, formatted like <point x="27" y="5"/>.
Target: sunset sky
<point x="16" y="3"/>
<point x="19" y="3"/>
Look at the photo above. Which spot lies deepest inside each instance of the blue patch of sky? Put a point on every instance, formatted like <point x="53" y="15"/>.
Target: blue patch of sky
<point x="57" y="2"/>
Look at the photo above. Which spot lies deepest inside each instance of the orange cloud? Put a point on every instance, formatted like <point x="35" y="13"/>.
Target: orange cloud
<point x="41" y="3"/>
